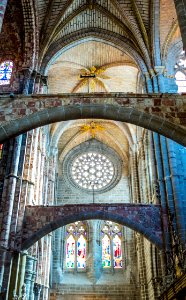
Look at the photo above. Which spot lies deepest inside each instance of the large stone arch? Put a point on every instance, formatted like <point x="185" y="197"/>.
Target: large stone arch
<point x="162" y="114"/>
<point x="39" y="220"/>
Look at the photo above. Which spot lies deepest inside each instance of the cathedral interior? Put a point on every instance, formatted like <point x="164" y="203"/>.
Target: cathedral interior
<point x="92" y="149"/>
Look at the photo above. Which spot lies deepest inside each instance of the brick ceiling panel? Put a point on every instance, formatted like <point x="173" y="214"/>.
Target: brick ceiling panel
<point x="144" y="9"/>
<point x="89" y="19"/>
<point x="42" y="9"/>
<point x="167" y="18"/>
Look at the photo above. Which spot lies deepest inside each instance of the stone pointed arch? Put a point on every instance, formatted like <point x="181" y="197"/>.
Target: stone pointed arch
<point x="39" y="220"/>
<point x="162" y="114"/>
<point x="105" y="36"/>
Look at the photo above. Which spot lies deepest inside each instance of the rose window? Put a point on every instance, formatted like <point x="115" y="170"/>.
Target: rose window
<point x="92" y="170"/>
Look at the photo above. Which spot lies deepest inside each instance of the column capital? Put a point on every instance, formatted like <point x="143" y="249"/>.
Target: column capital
<point x="159" y="69"/>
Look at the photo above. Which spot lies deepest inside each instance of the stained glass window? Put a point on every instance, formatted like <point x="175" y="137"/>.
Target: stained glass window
<point x="70" y="252"/>
<point x="92" y="170"/>
<point x="106" y="255"/>
<point x="5" y="72"/>
<point x="81" y="252"/>
<point x="111" y="245"/>
<point x="117" y="252"/>
<point x="76" y="246"/>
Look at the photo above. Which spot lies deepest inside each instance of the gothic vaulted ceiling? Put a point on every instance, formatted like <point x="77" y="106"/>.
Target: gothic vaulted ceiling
<point x="135" y="27"/>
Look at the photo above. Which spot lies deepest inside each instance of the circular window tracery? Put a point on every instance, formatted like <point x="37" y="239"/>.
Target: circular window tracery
<point x="101" y="172"/>
<point x="92" y="170"/>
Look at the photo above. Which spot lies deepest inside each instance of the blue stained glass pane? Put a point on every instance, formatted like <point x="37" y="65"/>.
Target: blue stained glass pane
<point x="5" y="72"/>
<point x="106" y="254"/>
<point x="81" y="252"/>
<point x="70" y="252"/>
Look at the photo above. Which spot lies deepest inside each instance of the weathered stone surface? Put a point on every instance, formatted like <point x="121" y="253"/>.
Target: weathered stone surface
<point x="161" y="113"/>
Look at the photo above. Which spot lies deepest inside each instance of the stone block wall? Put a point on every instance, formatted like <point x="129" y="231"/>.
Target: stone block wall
<point x="67" y="194"/>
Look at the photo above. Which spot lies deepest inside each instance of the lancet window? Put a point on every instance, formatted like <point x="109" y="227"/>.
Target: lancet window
<point x="5" y="72"/>
<point x="111" y="236"/>
<point x="76" y="246"/>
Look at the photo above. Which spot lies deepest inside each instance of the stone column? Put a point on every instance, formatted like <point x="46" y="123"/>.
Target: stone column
<point x="134" y="177"/>
<point x="14" y="275"/>
<point x="163" y="191"/>
<point x="25" y="187"/>
<point x="175" y="178"/>
<point x="25" y="76"/>
<point x="51" y="176"/>
<point x="37" y="291"/>
<point x="161" y="186"/>
<point x="48" y="264"/>
<point x="32" y="168"/>
<point x="7" y="206"/>
<point x="141" y="168"/>
<point x="142" y="266"/>
<point x="181" y="14"/>
<point x="37" y="83"/>
<point x="58" y="236"/>
<point x="22" y="269"/>
<point x="148" y="166"/>
<point x="44" y="85"/>
<point x="32" y="82"/>
<point x="148" y="83"/>
<point x="155" y="82"/>
<point x="3" y="4"/>
<point x="30" y="276"/>
<point x="31" y="297"/>
<point x="94" y="265"/>
<point x="161" y="80"/>
<point x="155" y="198"/>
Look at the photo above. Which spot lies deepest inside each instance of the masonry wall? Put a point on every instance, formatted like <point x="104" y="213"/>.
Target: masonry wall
<point x="67" y="194"/>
